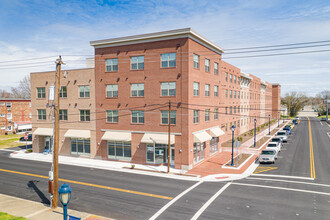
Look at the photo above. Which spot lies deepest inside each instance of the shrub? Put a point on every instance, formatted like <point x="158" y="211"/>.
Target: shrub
<point x="28" y="151"/>
<point x="132" y="166"/>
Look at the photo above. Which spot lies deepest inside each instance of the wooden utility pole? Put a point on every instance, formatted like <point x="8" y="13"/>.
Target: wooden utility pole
<point x="169" y="137"/>
<point x="56" y="130"/>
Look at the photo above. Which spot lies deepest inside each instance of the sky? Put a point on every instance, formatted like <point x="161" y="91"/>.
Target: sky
<point x="45" y="29"/>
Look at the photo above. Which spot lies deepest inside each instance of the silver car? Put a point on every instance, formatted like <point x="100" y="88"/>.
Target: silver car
<point x="278" y="140"/>
<point x="283" y="135"/>
<point x="268" y="156"/>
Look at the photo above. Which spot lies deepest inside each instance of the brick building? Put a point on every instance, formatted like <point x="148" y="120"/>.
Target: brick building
<point x="15" y="115"/>
<point x="135" y="79"/>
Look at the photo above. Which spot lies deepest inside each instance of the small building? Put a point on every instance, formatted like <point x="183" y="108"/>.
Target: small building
<point x="14" y="112"/>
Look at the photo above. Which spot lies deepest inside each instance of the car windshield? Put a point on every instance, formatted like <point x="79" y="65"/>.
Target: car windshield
<point x="271" y="145"/>
<point x="276" y="140"/>
<point x="267" y="152"/>
<point x="281" y="133"/>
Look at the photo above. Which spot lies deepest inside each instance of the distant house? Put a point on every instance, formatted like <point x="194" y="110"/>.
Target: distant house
<point x="284" y="110"/>
<point x="15" y="115"/>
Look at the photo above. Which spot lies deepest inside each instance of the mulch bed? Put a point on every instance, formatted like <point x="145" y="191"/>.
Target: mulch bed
<point x="238" y="160"/>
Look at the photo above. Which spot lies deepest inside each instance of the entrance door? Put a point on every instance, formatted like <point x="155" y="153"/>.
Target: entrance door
<point x="48" y="142"/>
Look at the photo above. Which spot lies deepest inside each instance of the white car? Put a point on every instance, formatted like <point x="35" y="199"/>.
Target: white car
<point x="283" y="135"/>
<point x="268" y="156"/>
<point x="278" y="140"/>
<point x="274" y="146"/>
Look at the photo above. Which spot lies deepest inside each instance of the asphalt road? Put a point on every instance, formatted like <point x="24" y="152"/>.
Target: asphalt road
<point x="288" y="193"/>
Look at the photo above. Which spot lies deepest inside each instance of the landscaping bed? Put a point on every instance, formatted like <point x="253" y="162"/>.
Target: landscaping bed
<point x="10" y="140"/>
<point x="238" y="160"/>
<point x="6" y="216"/>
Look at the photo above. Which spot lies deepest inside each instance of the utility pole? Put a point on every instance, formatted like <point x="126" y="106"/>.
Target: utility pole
<point x="169" y="137"/>
<point x="56" y="130"/>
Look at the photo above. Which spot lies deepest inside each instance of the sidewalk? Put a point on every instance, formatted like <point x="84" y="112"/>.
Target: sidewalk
<point x="212" y="169"/>
<point x="36" y="211"/>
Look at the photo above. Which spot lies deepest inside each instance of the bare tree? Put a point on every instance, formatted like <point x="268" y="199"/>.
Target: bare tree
<point x="294" y="102"/>
<point x="23" y="90"/>
<point x="4" y="94"/>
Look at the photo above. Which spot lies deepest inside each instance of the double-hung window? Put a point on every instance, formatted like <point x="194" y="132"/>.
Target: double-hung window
<point x="41" y="93"/>
<point x="165" y="117"/>
<point x="85" y="115"/>
<point x="235" y="94"/>
<point x="234" y="79"/>
<point x="168" y="88"/>
<point x="112" y="116"/>
<point x="112" y="90"/>
<point x="84" y="91"/>
<point x="112" y="65"/>
<point x="41" y="114"/>
<point x="196" y="116"/>
<point x="63" y="115"/>
<point x="207" y="89"/>
<point x="216" y="89"/>
<point x="230" y="94"/>
<point x="216" y="68"/>
<point x="234" y="109"/>
<point x="196" y="61"/>
<point x="63" y="92"/>
<point x="231" y="77"/>
<point x="137" y="90"/>
<point x="207" y="115"/>
<point x="168" y="60"/>
<point x="137" y="117"/>
<point x="9" y="116"/>
<point x="226" y="93"/>
<point x="196" y="89"/>
<point x="207" y="65"/>
<point x="216" y="114"/>
<point x="226" y="74"/>
<point x="137" y="63"/>
<point x="238" y="94"/>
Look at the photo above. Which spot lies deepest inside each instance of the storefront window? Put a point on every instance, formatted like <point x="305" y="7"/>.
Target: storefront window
<point x="199" y="149"/>
<point x="119" y="150"/>
<point x="80" y="146"/>
<point x="157" y="153"/>
<point x="214" y="144"/>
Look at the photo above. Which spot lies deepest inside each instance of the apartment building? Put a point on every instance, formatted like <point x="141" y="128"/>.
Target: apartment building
<point x="135" y="80"/>
<point x="15" y="115"/>
<point x="77" y="112"/>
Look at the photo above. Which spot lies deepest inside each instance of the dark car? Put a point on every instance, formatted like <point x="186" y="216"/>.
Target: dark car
<point x="323" y="119"/>
<point x="29" y="138"/>
<point x="287" y="128"/>
<point x="295" y="121"/>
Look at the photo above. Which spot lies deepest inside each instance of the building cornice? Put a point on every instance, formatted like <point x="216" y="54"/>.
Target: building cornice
<point x="158" y="36"/>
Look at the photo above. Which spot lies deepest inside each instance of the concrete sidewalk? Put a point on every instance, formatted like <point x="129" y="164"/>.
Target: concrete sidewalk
<point x="38" y="211"/>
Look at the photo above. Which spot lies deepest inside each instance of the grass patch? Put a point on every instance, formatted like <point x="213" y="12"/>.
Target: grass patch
<point x="8" y="141"/>
<point x="322" y="116"/>
<point x="238" y="160"/>
<point x="5" y="216"/>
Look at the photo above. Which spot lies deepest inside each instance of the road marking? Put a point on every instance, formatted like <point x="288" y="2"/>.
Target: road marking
<point x="91" y="184"/>
<point x="202" y="209"/>
<point x="263" y="169"/>
<point x="282" y="188"/>
<point x="328" y="133"/>
<point x="311" y="154"/>
<point x="160" y="211"/>
<point x="283" y="176"/>
<point x="8" y="150"/>
<point x="36" y="213"/>
<point x="287" y="181"/>
<point x="321" y="123"/>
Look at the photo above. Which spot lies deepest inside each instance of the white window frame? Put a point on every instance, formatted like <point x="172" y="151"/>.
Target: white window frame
<point x="196" y="61"/>
<point x="42" y="114"/>
<point x="9" y="116"/>
<point x="168" y="60"/>
<point x="138" y="89"/>
<point x="139" y="117"/>
<point x="111" y="91"/>
<point x="111" y="65"/>
<point x="168" y="89"/>
<point x="62" y="93"/>
<point x="207" y="90"/>
<point x="42" y="94"/>
<point x="165" y="117"/>
<point x="216" y="114"/>
<point x="83" y="113"/>
<point x="113" y="115"/>
<point x="84" y="91"/>
<point x="207" y="114"/>
<point x="196" y="116"/>
<point x="196" y="89"/>
<point x="216" y="68"/>
<point x="138" y="61"/>
<point x="216" y="91"/>
<point x="207" y="65"/>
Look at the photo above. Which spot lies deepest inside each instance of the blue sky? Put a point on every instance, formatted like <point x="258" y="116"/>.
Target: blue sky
<point x="44" y="28"/>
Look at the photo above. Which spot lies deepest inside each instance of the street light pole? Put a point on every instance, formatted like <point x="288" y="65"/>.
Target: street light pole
<point x="255" y="131"/>
<point x="269" y="124"/>
<point x="232" y="146"/>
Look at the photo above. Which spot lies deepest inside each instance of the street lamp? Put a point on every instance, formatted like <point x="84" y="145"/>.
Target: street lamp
<point x="255" y="131"/>
<point x="65" y="196"/>
<point x="278" y="119"/>
<point x="232" y="146"/>
<point x="269" y="124"/>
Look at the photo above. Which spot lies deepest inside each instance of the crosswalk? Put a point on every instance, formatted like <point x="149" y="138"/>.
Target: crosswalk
<point x="262" y="169"/>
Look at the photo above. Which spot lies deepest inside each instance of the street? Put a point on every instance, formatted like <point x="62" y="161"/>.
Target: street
<point x="284" y="190"/>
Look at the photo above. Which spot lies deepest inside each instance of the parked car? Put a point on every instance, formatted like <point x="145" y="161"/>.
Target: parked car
<point x="297" y="118"/>
<point x="323" y="119"/>
<point x="288" y="129"/>
<point x="278" y="140"/>
<point x="283" y="135"/>
<point x="274" y="145"/>
<point x="268" y="156"/>
<point x="291" y="125"/>
<point x="295" y="122"/>
<point x="29" y="138"/>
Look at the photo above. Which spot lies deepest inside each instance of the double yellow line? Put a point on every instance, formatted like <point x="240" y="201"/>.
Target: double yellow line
<point x="91" y="185"/>
<point x="311" y="152"/>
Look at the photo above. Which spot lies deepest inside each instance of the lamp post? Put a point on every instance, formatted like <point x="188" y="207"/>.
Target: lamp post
<point x="232" y="146"/>
<point x="65" y="196"/>
<point x="255" y="131"/>
<point x="278" y="119"/>
<point x="269" y="124"/>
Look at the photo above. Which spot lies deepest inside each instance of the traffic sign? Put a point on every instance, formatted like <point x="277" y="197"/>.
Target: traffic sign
<point x="25" y="136"/>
